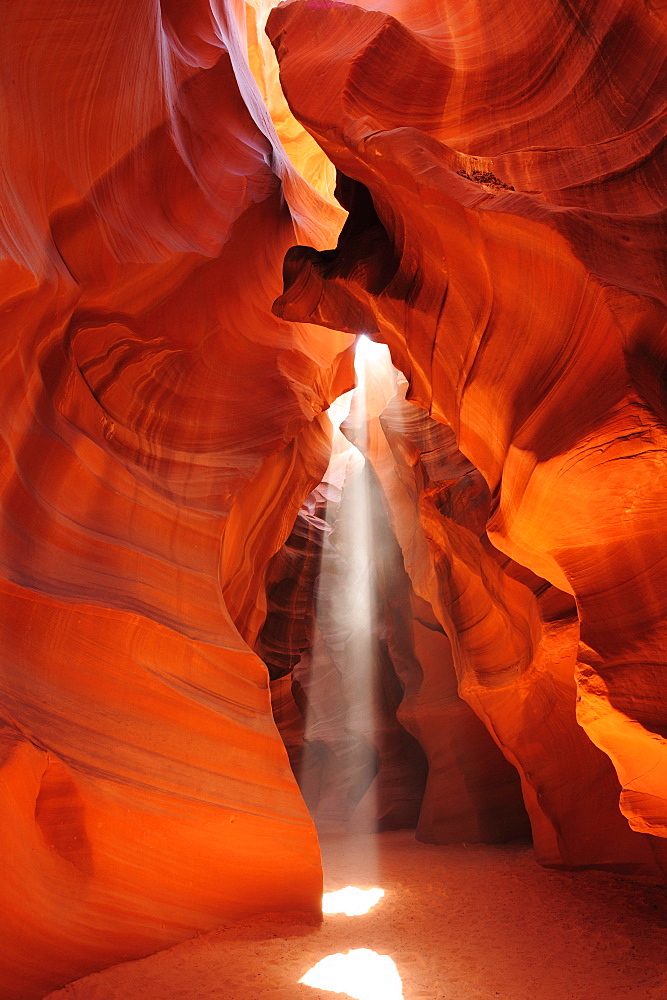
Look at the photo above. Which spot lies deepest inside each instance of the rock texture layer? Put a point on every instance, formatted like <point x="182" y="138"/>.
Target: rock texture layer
<point x="514" y="644"/>
<point x="505" y="183"/>
<point x="160" y="430"/>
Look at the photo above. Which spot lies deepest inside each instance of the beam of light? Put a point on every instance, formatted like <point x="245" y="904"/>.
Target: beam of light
<point x="351" y="901"/>
<point x="368" y="354"/>
<point x="338" y="683"/>
<point x="376" y="378"/>
<point x="340" y="409"/>
<point x="362" y="974"/>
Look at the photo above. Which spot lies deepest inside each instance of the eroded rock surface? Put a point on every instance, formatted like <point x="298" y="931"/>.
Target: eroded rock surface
<point x="531" y="321"/>
<point x="514" y="645"/>
<point x="160" y="430"/>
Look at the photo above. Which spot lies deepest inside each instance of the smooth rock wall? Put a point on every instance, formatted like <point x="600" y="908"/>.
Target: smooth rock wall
<point x="506" y="240"/>
<point x="160" y="430"/>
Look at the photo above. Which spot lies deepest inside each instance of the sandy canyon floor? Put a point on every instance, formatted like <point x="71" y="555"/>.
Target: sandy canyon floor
<point x="463" y="922"/>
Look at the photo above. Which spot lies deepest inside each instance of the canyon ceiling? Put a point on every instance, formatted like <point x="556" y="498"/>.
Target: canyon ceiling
<point x="180" y="293"/>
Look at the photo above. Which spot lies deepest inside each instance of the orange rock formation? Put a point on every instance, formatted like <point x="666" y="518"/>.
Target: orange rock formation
<point x="506" y="239"/>
<point x="160" y="430"/>
<point x="162" y="427"/>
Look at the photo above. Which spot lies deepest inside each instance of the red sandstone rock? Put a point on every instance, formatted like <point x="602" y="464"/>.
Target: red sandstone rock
<point x="514" y="643"/>
<point x="160" y="430"/>
<point x="531" y="321"/>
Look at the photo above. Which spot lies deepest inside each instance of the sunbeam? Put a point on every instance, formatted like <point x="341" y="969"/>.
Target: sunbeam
<point x="338" y="680"/>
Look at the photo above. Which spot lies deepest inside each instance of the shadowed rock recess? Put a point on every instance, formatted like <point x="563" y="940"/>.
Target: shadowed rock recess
<point x="180" y="289"/>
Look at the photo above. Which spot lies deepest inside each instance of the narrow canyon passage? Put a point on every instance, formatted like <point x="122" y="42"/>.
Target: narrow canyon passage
<point x="338" y="709"/>
<point x="249" y="617"/>
<point x="455" y="921"/>
<point x="461" y="922"/>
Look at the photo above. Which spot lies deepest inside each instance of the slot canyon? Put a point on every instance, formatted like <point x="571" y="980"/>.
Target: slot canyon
<point x="334" y="498"/>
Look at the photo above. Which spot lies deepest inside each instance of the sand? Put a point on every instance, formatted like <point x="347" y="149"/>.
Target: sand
<point x="463" y="922"/>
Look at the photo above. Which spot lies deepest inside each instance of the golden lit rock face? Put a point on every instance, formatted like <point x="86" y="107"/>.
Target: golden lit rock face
<point x="513" y="655"/>
<point x="303" y="152"/>
<point x="510" y="253"/>
<point x="160" y="429"/>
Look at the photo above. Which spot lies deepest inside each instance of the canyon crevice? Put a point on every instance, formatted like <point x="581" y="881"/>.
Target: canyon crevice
<point x="194" y="237"/>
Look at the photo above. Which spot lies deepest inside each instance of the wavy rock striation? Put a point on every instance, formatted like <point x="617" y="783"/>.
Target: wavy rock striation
<point x="514" y="643"/>
<point x="531" y="321"/>
<point x="160" y="430"/>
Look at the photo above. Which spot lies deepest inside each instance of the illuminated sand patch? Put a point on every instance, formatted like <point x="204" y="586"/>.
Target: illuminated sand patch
<point x="351" y="901"/>
<point x="361" y="973"/>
